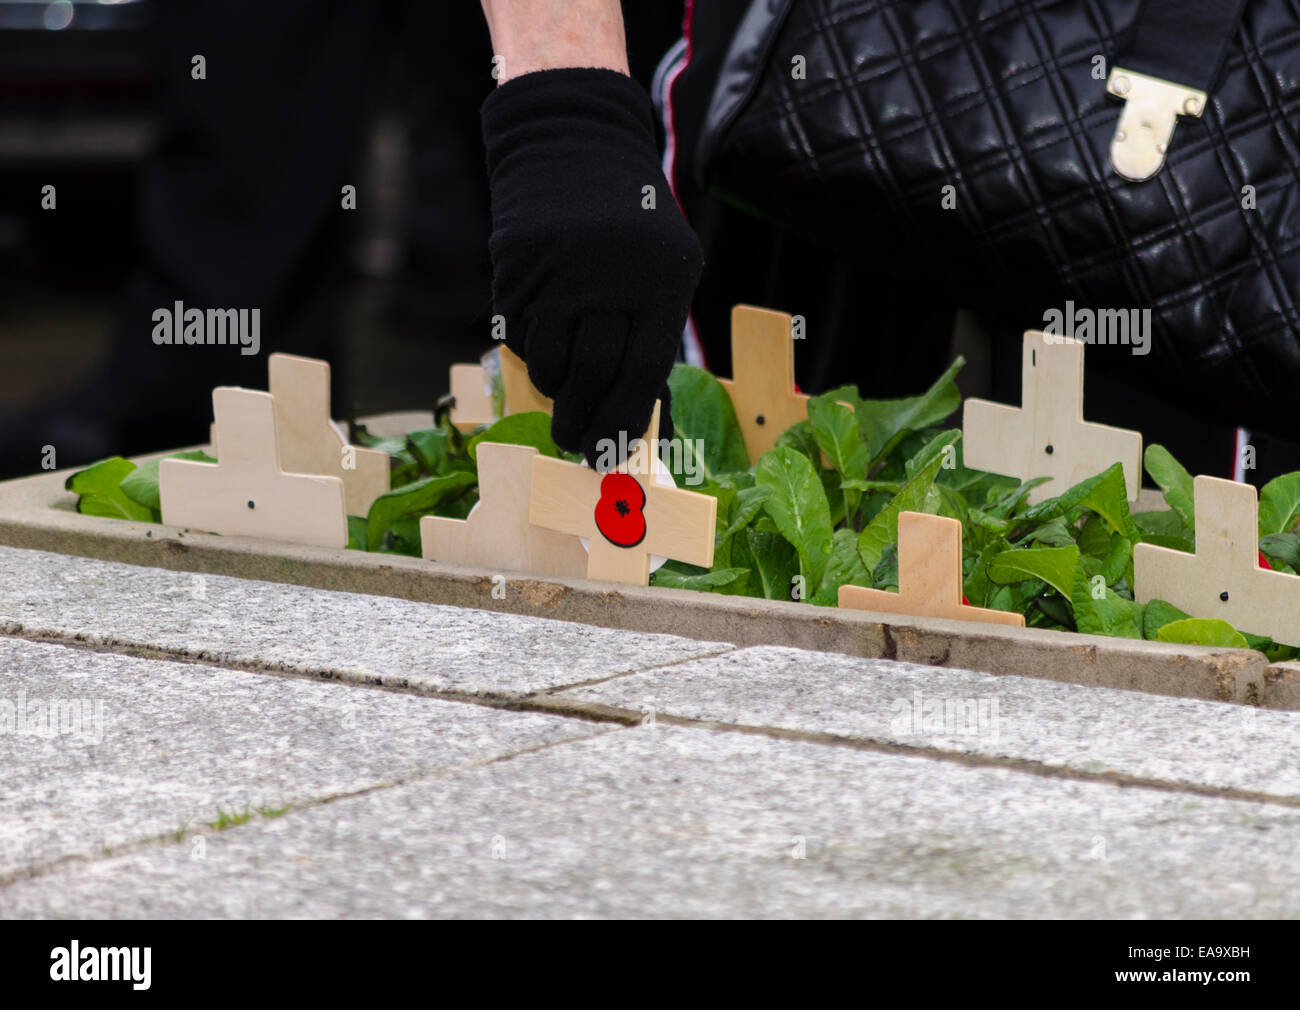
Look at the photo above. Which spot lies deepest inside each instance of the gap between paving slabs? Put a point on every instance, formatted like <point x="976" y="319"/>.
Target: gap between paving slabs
<point x="168" y="748"/>
<point x="463" y="654"/>
<point x="37" y="513"/>
<point x="676" y="822"/>
<point x="674" y="672"/>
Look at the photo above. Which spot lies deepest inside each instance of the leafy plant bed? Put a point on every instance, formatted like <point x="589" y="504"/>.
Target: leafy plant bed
<point x="794" y="528"/>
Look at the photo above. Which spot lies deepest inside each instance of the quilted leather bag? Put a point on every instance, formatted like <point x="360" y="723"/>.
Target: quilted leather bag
<point x="1120" y="154"/>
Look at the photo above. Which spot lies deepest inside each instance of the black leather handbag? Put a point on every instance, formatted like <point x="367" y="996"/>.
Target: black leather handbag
<point x="1117" y="154"/>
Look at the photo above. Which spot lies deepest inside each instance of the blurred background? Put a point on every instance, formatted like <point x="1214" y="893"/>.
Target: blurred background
<point x="211" y="190"/>
<point x="225" y="191"/>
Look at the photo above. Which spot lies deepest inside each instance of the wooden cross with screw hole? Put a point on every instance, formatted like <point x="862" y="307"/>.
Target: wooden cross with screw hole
<point x="625" y="515"/>
<point x="247" y="492"/>
<point x="1223" y="578"/>
<point x="1047" y="436"/>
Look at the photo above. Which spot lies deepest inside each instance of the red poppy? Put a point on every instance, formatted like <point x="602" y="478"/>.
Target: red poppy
<point x="619" y="515"/>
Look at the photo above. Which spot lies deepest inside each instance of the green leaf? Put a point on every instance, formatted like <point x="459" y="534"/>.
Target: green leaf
<point x="1202" y="631"/>
<point x="835" y="427"/>
<point x="797" y="503"/>
<point x="986" y="521"/>
<point x="885" y="423"/>
<point x="1003" y="503"/>
<point x="100" y="488"/>
<point x="742" y="508"/>
<point x="704" y="581"/>
<point x="1054" y="565"/>
<point x="883" y="528"/>
<point x="532" y="427"/>
<point x="356" y="533"/>
<point x="706" y="424"/>
<point x="845" y="568"/>
<point x="1104" y="494"/>
<point x="1112" y="614"/>
<point x="1159" y="613"/>
<point x="800" y="437"/>
<point x="141" y="484"/>
<point x="1165" y="529"/>
<point x="886" y="574"/>
<point x="977" y="585"/>
<point x="403" y="537"/>
<point x="1279" y="504"/>
<point x="1174" y="480"/>
<point x="1283" y="547"/>
<point x="1051" y="534"/>
<point x="431" y="448"/>
<point x="891" y="487"/>
<point x="776" y="562"/>
<point x="412" y="500"/>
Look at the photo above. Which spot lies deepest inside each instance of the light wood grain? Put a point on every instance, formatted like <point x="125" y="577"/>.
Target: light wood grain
<point x="474" y="407"/>
<point x="1015" y="441"/>
<point x="497" y="533"/>
<point x="1259" y="601"/>
<point x="929" y="576"/>
<point x="762" y="389"/>
<point x="473" y="403"/>
<point x="680" y="524"/>
<point x="310" y="442"/>
<point x="215" y="498"/>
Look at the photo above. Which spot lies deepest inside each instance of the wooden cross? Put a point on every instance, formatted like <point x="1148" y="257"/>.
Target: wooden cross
<point x="929" y="576"/>
<point x="473" y="406"/>
<point x="310" y="442"/>
<point x="247" y="491"/>
<point x="497" y="533"/>
<point x="624" y="514"/>
<point x="1047" y="436"/>
<point x="762" y="391"/>
<point x="469" y="385"/>
<point x="1223" y="578"/>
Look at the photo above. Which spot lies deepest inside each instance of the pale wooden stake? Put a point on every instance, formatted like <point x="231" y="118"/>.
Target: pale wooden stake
<point x="1223" y="578"/>
<point x="929" y="576"/>
<point x="762" y="390"/>
<point x="1047" y="436"/>
<point x="680" y="524"/>
<point x="247" y="492"/>
<point x="497" y="533"/>
<point x="310" y="442"/>
<point x="474" y="404"/>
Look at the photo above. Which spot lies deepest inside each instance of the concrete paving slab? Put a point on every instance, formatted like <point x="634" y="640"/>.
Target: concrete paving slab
<point x="1091" y="729"/>
<point x="100" y="750"/>
<point x="673" y="821"/>
<point x="269" y="625"/>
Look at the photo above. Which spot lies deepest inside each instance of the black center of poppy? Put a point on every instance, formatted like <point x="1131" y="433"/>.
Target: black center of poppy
<point x="622" y="506"/>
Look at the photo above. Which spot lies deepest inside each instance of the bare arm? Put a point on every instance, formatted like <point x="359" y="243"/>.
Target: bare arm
<point x="530" y="35"/>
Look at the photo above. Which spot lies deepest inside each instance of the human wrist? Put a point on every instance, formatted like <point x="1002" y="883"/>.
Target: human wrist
<point x="534" y="35"/>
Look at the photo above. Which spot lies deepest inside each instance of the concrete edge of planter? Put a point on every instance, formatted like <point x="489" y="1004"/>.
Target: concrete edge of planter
<point x="37" y="513"/>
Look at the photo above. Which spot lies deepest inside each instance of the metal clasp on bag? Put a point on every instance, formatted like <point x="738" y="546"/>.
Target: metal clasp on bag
<point x="1146" y="126"/>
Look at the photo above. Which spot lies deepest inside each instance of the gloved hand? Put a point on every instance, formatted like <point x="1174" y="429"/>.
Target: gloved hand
<point x="593" y="286"/>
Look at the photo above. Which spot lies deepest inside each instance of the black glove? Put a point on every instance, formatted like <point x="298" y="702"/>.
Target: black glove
<point x="593" y="286"/>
